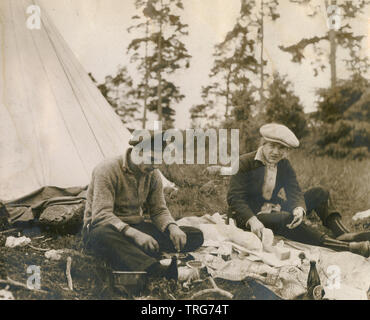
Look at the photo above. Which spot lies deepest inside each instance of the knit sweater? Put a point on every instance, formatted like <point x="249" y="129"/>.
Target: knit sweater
<point x="115" y="196"/>
<point x="245" y="195"/>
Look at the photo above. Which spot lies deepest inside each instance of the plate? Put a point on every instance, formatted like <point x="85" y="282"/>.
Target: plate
<point x="195" y="264"/>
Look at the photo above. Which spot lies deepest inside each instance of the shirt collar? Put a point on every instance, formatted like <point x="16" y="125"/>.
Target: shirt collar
<point x="125" y="165"/>
<point x="260" y="157"/>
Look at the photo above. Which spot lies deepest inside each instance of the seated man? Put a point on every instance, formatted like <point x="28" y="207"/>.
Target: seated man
<point x="253" y="196"/>
<point x="114" y="226"/>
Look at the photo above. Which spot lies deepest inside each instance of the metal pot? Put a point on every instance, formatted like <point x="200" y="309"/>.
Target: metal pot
<point x="131" y="282"/>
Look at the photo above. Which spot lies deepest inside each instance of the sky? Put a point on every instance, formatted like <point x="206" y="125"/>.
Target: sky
<point x="96" y="31"/>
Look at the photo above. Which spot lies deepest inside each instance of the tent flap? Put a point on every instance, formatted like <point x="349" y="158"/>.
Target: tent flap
<point x="55" y="126"/>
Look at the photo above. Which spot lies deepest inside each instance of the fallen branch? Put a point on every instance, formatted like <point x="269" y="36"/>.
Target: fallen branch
<point x="213" y="283"/>
<point x="171" y="296"/>
<point x="8" y="231"/>
<point x="37" y="238"/>
<point x="68" y="273"/>
<point x="206" y="291"/>
<point x="38" y="249"/>
<point x="14" y="283"/>
<point x="215" y="289"/>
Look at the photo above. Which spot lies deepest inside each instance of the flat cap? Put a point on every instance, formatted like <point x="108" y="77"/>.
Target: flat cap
<point x="279" y="133"/>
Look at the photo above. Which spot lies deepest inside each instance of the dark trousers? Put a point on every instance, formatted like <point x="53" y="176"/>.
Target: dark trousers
<point x="316" y="199"/>
<point x="121" y="253"/>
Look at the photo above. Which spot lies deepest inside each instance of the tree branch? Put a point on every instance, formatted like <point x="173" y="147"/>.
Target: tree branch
<point x="14" y="283"/>
<point x="297" y="49"/>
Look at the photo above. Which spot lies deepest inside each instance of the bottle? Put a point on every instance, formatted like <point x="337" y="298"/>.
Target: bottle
<point x="313" y="279"/>
<point x="172" y="271"/>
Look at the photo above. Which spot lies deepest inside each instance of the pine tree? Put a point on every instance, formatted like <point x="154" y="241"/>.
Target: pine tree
<point x="159" y="53"/>
<point x="119" y="92"/>
<point x="339" y="34"/>
<point x="283" y="106"/>
<point x="238" y="67"/>
<point x="344" y="119"/>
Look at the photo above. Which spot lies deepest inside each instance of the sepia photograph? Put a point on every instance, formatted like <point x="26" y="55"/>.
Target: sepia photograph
<point x="184" y="151"/>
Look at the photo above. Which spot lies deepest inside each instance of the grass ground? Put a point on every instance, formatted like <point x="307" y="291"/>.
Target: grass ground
<point x="348" y="182"/>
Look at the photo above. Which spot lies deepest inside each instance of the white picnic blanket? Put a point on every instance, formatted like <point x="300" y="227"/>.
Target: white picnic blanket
<point x="344" y="275"/>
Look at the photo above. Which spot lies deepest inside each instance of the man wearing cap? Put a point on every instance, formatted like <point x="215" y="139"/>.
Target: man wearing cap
<point x="114" y="226"/>
<point x="255" y="204"/>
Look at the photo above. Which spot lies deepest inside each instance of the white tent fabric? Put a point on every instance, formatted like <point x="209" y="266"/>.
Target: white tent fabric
<point x="55" y="125"/>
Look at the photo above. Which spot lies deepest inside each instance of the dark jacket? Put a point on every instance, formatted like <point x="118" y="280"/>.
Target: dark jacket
<point x="245" y="189"/>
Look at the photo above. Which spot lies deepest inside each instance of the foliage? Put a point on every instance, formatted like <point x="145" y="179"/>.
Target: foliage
<point x="347" y="180"/>
<point x="243" y="119"/>
<point x="343" y="37"/>
<point x="283" y="106"/>
<point x="344" y="119"/>
<point x="200" y="112"/>
<point x="159" y="52"/>
<point x="119" y="92"/>
<point x="236" y="66"/>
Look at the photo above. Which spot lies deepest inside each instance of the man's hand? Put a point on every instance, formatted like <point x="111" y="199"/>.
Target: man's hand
<point x="143" y="240"/>
<point x="256" y="226"/>
<point x="177" y="236"/>
<point x="298" y="214"/>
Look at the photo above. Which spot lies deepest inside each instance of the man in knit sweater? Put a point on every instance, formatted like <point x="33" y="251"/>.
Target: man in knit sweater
<point x="114" y="226"/>
<point x="255" y="204"/>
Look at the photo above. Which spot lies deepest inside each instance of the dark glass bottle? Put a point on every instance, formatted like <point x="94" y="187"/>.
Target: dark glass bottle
<point x="172" y="271"/>
<point x="313" y="279"/>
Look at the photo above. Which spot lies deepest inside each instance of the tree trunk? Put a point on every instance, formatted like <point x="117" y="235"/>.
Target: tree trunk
<point x="159" y="73"/>
<point x="333" y="57"/>
<point x="333" y="50"/>
<point x="228" y="93"/>
<point x="262" y="97"/>
<point x="146" y="75"/>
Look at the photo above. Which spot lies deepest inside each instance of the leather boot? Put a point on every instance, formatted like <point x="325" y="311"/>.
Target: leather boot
<point x="334" y="244"/>
<point x="355" y="236"/>
<point x="335" y="224"/>
<point x="362" y="248"/>
<point x="320" y="201"/>
<point x="160" y="271"/>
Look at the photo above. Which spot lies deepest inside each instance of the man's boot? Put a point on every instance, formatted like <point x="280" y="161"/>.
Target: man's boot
<point x="362" y="248"/>
<point x="160" y="271"/>
<point x="355" y="236"/>
<point x="328" y="214"/>
<point x="335" y="224"/>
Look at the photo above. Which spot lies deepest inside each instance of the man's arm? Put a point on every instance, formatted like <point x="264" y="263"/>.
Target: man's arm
<point x="157" y="206"/>
<point x="292" y="189"/>
<point x="103" y="209"/>
<point x="103" y="197"/>
<point x="237" y="197"/>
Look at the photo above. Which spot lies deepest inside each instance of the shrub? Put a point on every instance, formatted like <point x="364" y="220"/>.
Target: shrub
<point x="344" y="119"/>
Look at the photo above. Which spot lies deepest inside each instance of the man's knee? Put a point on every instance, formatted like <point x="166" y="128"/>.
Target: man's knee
<point x="275" y="220"/>
<point x="198" y="238"/>
<point x="101" y="234"/>
<point x="316" y="195"/>
<point x="194" y="236"/>
<point x="315" y="198"/>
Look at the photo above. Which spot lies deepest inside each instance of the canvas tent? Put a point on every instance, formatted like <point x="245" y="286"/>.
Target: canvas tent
<point x="55" y="125"/>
